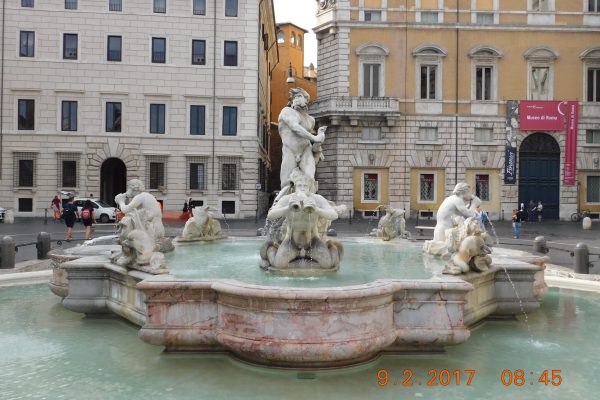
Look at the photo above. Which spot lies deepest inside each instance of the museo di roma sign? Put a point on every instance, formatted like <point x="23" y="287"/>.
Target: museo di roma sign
<point x="542" y="115"/>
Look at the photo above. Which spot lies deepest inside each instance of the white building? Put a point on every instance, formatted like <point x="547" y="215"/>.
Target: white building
<point x="174" y="92"/>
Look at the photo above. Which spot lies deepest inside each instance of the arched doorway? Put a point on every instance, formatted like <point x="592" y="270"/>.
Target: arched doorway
<point x="539" y="172"/>
<point x="113" y="179"/>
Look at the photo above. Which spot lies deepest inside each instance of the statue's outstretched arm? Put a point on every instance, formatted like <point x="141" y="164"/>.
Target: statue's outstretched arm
<point x="294" y="124"/>
<point x="280" y="209"/>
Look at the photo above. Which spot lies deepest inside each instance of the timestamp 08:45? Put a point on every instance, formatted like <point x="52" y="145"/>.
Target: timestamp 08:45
<point x="434" y="377"/>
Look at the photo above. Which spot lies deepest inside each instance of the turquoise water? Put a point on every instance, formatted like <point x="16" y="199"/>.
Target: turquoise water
<point x="48" y="352"/>
<point x="363" y="261"/>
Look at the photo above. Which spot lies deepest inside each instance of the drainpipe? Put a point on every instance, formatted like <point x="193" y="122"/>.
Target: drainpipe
<point x="214" y="92"/>
<point x="456" y="96"/>
<point x="2" y="88"/>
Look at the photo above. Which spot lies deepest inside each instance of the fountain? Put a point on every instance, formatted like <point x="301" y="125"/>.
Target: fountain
<point x="305" y="308"/>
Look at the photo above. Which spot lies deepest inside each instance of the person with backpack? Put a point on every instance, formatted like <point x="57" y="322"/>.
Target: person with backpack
<point x="87" y="217"/>
<point x="70" y="214"/>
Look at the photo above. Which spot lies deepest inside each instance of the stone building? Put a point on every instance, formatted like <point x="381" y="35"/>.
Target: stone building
<point x="174" y="92"/>
<point x="289" y="73"/>
<point x="416" y="94"/>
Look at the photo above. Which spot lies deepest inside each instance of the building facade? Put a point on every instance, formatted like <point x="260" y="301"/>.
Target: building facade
<point x="416" y="94"/>
<point x="173" y="92"/>
<point x="290" y="72"/>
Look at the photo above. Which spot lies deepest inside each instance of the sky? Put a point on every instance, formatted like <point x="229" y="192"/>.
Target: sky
<point x="301" y="13"/>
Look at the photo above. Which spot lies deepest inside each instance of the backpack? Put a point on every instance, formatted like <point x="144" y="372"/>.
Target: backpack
<point x="86" y="214"/>
<point x="484" y="217"/>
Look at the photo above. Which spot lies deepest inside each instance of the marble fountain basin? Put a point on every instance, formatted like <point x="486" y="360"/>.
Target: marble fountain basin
<point x="302" y="323"/>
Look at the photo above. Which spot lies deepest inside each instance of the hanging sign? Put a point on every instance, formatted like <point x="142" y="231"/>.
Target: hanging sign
<point x="541" y="115"/>
<point x="572" y="119"/>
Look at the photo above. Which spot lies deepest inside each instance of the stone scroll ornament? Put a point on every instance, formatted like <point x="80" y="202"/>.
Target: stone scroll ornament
<point x="142" y="234"/>
<point x="325" y="4"/>
<point x="458" y="235"/>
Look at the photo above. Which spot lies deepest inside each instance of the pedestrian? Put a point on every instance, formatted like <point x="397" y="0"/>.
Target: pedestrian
<point x="70" y="214"/>
<point x="531" y="215"/>
<point x="190" y="206"/>
<point x="516" y="221"/>
<point x="539" y="209"/>
<point x="55" y="206"/>
<point x="481" y="217"/>
<point x="87" y="218"/>
<point x="185" y="207"/>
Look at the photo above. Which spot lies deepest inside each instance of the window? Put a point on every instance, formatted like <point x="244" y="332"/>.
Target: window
<point x="428" y="74"/>
<point x="69" y="173"/>
<point x="27" y="44"/>
<point x="371" y="134"/>
<point x="157" y="118"/>
<point x="484" y="135"/>
<point x="280" y="37"/>
<point x="199" y="7"/>
<point x="229" y="176"/>
<point x="197" y="173"/>
<point x="160" y="6"/>
<point x="482" y="187"/>
<point x="539" y="83"/>
<point x="115" y="5"/>
<point x="231" y="53"/>
<point x="25" y="204"/>
<point x="428" y="134"/>
<point x="159" y="50"/>
<point x="426" y="187"/>
<point x="293" y="39"/>
<point x="69" y="116"/>
<point x="592" y="136"/>
<point x="26" y="115"/>
<point x="593" y="84"/>
<point x="483" y="83"/>
<point x="26" y="3"/>
<point x="197" y="118"/>
<point x="113" y="117"/>
<point x="113" y="51"/>
<point x="540" y="5"/>
<point x="299" y="41"/>
<point x="231" y="8"/>
<point x="157" y="175"/>
<point x="71" y="4"/>
<point x="25" y="173"/>
<point x="70" y="46"/>
<point x="594" y="5"/>
<point x="371" y="80"/>
<point x="593" y="189"/>
<point x="229" y="121"/>
<point x="374" y="16"/>
<point x="485" y="18"/>
<point x="228" y="207"/>
<point x="370" y="187"/>
<point x="262" y="175"/>
<point x="198" y="52"/>
<point x="430" y="17"/>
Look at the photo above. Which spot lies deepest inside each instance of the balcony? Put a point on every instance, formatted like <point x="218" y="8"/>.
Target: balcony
<point x="354" y="107"/>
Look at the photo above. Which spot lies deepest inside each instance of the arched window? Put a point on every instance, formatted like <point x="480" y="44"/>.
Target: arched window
<point x="280" y="37"/>
<point x="484" y="64"/>
<point x="371" y="77"/>
<point x="429" y="60"/>
<point x="540" y="79"/>
<point x="299" y="41"/>
<point x="293" y="39"/>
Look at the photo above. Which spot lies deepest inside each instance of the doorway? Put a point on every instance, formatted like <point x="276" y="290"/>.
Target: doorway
<point x="113" y="179"/>
<point x="539" y="173"/>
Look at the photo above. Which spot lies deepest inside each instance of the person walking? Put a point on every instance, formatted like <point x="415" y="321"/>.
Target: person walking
<point x="539" y="209"/>
<point x="87" y="218"/>
<point x="516" y="221"/>
<point x="55" y="206"/>
<point x="481" y="217"/>
<point x="70" y="214"/>
<point x="531" y="214"/>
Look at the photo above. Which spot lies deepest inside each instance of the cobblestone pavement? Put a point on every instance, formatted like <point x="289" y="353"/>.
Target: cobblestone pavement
<point x="562" y="236"/>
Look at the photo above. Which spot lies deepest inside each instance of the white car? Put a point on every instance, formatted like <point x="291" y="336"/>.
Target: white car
<point x="102" y="211"/>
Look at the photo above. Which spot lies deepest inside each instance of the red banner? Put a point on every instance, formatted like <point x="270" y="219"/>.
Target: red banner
<point x="572" y="119"/>
<point x="542" y="115"/>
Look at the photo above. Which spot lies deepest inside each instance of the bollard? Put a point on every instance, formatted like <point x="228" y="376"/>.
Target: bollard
<point x="582" y="259"/>
<point x="45" y="216"/>
<point x="539" y="245"/>
<point x="7" y="252"/>
<point x="43" y="245"/>
<point x="586" y="223"/>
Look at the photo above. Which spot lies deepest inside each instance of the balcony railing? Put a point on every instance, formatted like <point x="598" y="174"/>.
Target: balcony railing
<point x="115" y="5"/>
<point x="355" y="105"/>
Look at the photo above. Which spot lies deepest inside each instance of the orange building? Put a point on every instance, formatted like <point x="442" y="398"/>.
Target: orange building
<point x="287" y="74"/>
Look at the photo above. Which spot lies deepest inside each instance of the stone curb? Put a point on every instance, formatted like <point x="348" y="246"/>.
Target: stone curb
<point x="25" y="278"/>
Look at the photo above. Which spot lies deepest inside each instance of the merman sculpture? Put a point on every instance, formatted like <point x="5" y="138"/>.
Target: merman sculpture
<point x="202" y="226"/>
<point x="391" y="225"/>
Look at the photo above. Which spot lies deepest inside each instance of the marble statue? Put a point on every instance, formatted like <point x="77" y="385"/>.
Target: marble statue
<point x="466" y="242"/>
<point x="142" y="234"/>
<point x="300" y="147"/>
<point x="391" y="225"/>
<point x="463" y="203"/>
<point x="202" y="226"/>
<point x="303" y="245"/>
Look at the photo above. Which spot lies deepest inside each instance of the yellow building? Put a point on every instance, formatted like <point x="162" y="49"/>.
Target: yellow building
<point x="416" y="94"/>
<point x="288" y="73"/>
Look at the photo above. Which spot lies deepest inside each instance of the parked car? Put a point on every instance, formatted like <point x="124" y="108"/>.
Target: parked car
<point x="2" y="213"/>
<point x="102" y="211"/>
